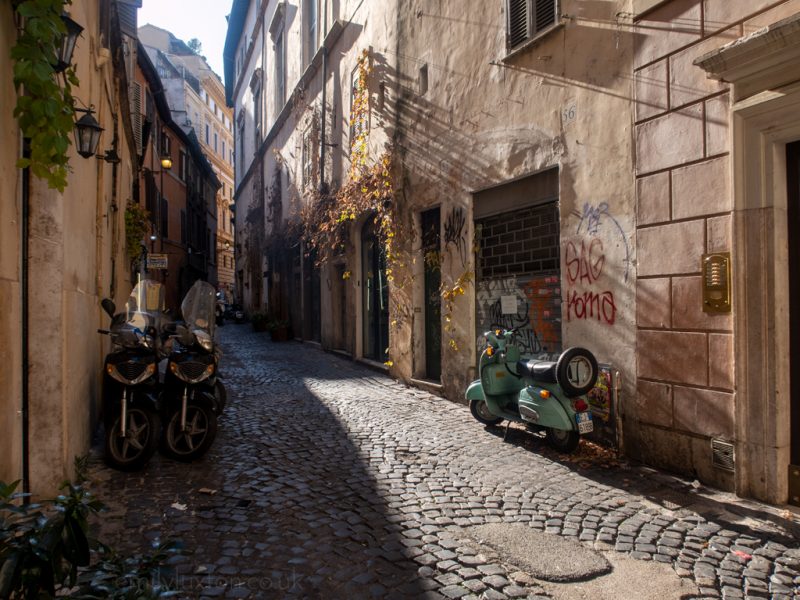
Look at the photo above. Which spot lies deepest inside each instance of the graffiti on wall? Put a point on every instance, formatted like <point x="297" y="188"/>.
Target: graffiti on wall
<point x="585" y="259"/>
<point x="454" y="232"/>
<point x="593" y="218"/>
<point x="536" y="312"/>
<point x="584" y="267"/>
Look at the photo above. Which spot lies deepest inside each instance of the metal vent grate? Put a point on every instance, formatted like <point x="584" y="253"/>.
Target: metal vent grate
<point x="722" y="455"/>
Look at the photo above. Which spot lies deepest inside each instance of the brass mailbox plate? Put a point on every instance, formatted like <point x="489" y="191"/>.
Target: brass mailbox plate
<point x="717" y="282"/>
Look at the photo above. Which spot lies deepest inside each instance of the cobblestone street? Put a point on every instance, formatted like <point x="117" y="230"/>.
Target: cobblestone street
<point x="330" y="480"/>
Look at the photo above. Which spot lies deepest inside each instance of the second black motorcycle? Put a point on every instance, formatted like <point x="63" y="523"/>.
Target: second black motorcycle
<point x="192" y="397"/>
<point x="130" y="382"/>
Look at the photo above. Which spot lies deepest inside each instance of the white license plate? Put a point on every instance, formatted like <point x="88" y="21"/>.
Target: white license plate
<point x="584" y="421"/>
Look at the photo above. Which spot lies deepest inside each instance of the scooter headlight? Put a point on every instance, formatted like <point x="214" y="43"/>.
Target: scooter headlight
<point x="131" y="372"/>
<point x="205" y="341"/>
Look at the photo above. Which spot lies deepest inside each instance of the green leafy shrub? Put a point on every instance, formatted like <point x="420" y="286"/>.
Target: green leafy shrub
<point x="46" y="552"/>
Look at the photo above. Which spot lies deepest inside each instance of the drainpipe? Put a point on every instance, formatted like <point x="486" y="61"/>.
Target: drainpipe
<point x="26" y="192"/>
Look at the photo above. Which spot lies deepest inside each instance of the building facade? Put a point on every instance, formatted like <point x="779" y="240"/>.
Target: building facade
<point x="592" y="173"/>
<point x="197" y="99"/>
<point x="716" y="141"/>
<point x="177" y="188"/>
<point x="62" y="252"/>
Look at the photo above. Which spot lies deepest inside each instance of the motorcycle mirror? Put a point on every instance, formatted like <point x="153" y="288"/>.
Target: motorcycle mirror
<point x="109" y="306"/>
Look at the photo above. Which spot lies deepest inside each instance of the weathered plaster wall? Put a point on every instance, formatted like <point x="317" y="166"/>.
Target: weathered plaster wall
<point x="484" y="120"/>
<point x="76" y="258"/>
<point x="10" y="214"/>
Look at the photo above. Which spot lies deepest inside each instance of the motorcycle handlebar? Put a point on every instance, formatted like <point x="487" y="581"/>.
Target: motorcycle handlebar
<point x="103" y="331"/>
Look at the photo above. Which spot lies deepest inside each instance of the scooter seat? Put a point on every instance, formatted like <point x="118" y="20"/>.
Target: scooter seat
<point x="539" y="370"/>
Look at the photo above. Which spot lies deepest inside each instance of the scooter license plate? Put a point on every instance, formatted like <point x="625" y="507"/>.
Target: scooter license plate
<point x="584" y="421"/>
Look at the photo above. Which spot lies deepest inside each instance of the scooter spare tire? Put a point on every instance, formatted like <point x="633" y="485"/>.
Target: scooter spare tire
<point x="196" y="438"/>
<point x="576" y="371"/>
<point x="132" y="451"/>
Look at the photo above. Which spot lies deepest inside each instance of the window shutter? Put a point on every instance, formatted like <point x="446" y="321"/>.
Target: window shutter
<point x="518" y="22"/>
<point x="127" y="19"/>
<point x="545" y="14"/>
<point x="136" y="115"/>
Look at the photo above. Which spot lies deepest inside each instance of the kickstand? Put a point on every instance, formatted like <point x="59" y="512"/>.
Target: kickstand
<point x="505" y="435"/>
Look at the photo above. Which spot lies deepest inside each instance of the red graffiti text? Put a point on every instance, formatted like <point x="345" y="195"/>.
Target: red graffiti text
<point x="585" y="265"/>
<point x="591" y="305"/>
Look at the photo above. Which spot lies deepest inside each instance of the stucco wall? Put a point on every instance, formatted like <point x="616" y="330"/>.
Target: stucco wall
<point x="486" y="119"/>
<point x="10" y="214"/>
<point x="76" y="258"/>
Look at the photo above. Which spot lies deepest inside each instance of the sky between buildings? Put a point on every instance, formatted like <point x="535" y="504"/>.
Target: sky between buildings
<point x="187" y="19"/>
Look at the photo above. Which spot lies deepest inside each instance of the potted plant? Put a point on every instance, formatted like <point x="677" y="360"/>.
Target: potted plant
<point x="279" y="330"/>
<point x="260" y="321"/>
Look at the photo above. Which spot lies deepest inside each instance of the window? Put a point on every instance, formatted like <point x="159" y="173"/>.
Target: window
<point x="307" y="161"/>
<point x="359" y="105"/>
<point x="183" y="227"/>
<point x="280" y="71"/>
<point x="216" y="138"/>
<point x="165" y="144"/>
<point x="312" y="28"/>
<point x="208" y="133"/>
<point x="182" y="166"/>
<point x="224" y="154"/>
<point x="527" y="18"/>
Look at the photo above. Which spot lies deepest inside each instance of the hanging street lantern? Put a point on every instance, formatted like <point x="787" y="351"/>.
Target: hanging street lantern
<point x="87" y="133"/>
<point x="67" y="45"/>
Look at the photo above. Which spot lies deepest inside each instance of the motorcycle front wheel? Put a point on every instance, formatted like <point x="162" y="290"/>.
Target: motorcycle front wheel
<point x="132" y="451"/>
<point x="196" y="438"/>
<point x="480" y="410"/>
<point x="562" y="440"/>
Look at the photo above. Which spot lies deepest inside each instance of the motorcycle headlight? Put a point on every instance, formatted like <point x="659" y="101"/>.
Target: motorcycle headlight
<point x="205" y="341"/>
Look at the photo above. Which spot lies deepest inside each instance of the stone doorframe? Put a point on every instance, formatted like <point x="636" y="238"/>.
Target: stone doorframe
<point x="765" y="116"/>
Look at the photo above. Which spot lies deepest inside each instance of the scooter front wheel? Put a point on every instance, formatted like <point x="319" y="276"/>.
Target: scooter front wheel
<point x="480" y="410"/>
<point x="562" y="440"/>
<point x="192" y="441"/>
<point x="131" y="451"/>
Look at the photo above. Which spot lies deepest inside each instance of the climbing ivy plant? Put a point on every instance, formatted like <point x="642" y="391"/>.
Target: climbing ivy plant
<point x="137" y="224"/>
<point x="45" y="108"/>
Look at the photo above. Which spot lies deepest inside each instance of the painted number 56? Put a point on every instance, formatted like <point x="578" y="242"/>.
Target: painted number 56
<point x="568" y="114"/>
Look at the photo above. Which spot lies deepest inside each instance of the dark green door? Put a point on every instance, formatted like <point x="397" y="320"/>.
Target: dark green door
<point x="375" y="295"/>
<point x="431" y="248"/>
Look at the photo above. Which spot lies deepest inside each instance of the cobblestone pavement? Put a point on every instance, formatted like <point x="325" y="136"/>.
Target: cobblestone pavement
<point x="329" y="480"/>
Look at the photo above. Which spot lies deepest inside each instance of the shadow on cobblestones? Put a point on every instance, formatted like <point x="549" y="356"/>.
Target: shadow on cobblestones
<point x="283" y="504"/>
<point x="328" y="480"/>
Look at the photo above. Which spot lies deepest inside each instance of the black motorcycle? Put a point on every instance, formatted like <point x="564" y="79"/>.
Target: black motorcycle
<point x="193" y="397"/>
<point x="130" y="378"/>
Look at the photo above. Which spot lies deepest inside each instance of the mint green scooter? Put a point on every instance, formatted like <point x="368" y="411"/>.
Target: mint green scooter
<point x="543" y="395"/>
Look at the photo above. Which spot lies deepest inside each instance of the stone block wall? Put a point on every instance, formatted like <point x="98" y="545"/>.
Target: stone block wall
<point x="684" y="199"/>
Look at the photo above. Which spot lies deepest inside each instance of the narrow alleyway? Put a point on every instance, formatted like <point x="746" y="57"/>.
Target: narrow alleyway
<point x="328" y="480"/>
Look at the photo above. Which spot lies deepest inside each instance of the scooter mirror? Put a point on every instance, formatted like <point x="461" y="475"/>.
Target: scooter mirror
<point x="108" y="306"/>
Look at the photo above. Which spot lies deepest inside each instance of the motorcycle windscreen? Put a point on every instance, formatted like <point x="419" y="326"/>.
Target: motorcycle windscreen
<point x="198" y="307"/>
<point x="145" y="305"/>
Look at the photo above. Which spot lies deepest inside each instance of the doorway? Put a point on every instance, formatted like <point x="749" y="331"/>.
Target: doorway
<point x="793" y="222"/>
<point x="431" y="254"/>
<point x="375" y="295"/>
<point x="312" y="321"/>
